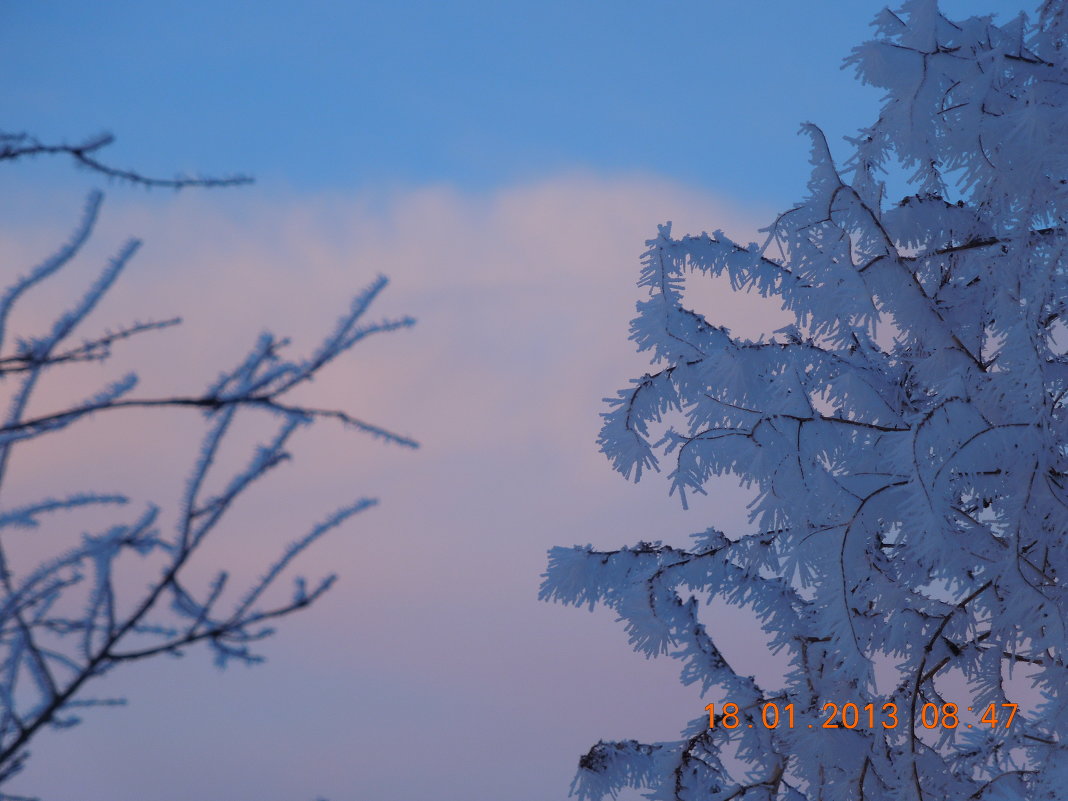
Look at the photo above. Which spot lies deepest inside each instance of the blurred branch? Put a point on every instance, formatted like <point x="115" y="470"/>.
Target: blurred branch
<point x="94" y="350"/>
<point x="68" y="619"/>
<point x="21" y="145"/>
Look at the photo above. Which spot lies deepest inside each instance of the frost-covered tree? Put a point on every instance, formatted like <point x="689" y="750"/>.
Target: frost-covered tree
<point x="907" y="439"/>
<point x="135" y="589"/>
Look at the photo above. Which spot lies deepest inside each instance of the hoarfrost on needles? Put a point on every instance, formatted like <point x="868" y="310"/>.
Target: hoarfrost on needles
<point x="905" y="435"/>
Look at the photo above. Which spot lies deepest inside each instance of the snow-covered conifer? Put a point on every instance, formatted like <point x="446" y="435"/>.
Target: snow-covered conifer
<point x="907" y="436"/>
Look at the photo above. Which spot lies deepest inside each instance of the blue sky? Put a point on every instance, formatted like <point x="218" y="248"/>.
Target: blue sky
<point x="337" y="95"/>
<point x="503" y="163"/>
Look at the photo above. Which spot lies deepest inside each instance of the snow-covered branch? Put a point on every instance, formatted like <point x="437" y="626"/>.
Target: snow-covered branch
<point x="70" y="619"/>
<point x="906" y="437"/>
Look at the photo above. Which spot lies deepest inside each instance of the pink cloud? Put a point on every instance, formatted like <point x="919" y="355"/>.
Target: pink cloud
<point x="433" y="655"/>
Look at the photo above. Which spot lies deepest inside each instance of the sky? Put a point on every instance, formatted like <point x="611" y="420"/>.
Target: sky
<point x="503" y="164"/>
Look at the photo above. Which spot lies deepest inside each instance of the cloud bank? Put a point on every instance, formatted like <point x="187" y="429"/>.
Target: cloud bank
<point x="431" y="671"/>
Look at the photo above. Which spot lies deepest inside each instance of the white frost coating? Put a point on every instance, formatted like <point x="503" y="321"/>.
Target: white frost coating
<point x="67" y="620"/>
<point x="906" y="435"/>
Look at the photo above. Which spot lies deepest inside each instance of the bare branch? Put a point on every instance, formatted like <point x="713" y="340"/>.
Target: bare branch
<point x="19" y="146"/>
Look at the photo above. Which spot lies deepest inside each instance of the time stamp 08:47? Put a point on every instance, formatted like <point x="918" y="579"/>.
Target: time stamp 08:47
<point x="854" y="716"/>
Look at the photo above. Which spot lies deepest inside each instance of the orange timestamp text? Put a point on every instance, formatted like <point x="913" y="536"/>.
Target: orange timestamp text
<point x="853" y="716"/>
